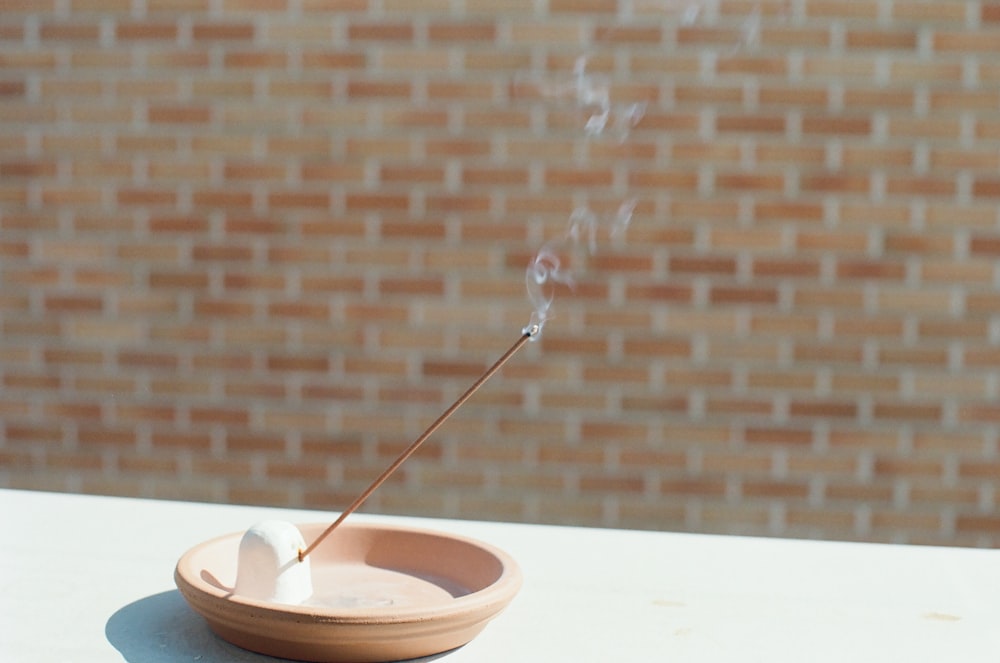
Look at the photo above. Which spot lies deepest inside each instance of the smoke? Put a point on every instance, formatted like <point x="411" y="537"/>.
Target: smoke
<point x="562" y="260"/>
<point x="591" y="95"/>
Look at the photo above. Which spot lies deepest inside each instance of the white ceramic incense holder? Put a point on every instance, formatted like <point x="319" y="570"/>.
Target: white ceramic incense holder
<point x="380" y="593"/>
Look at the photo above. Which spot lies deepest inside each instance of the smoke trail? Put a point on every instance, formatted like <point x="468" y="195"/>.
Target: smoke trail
<point x="561" y="261"/>
<point x="590" y="94"/>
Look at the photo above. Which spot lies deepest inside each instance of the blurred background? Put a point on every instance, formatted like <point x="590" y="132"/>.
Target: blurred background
<point x="250" y="249"/>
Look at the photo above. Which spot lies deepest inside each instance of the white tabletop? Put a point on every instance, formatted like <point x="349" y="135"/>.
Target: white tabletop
<point x="90" y="579"/>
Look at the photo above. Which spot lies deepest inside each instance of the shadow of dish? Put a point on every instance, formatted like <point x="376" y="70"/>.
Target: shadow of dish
<point x="162" y="629"/>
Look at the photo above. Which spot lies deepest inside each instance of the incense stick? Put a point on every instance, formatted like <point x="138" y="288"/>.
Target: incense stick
<point x="528" y="332"/>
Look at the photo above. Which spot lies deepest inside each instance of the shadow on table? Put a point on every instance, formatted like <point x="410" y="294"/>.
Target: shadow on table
<point x="162" y="629"/>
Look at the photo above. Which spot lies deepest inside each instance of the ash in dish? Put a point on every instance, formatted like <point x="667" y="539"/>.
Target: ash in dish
<point x="269" y="569"/>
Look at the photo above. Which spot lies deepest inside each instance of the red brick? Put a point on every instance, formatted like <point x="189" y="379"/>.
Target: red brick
<point x="412" y="174"/>
<point x="377" y="201"/>
<point x="796" y="97"/>
<point x="786" y="268"/>
<point x="785" y="490"/>
<point x="783" y="35"/>
<point x="947" y="41"/>
<point x="764" y="124"/>
<point x="693" y="486"/>
<point x="695" y="35"/>
<point x="70" y="303"/>
<point x="175" y="440"/>
<point x="378" y="31"/>
<point x="858" y="9"/>
<point x="256" y="226"/>
<point x="871" y="269"/>
<point x="222" y="31"/>
<point x="479" y="32"/>
<point x="14" y="380"/>
<point x="458" y="203"/>
<point x="584" y="6"/>
<point x="907" y="411"/>
<point x="744" y="65"/>
<point x="298" y="362"/>
<point x="255" y="280"/>
<point x="222" y="253"/>
<point x="628" y="34"/>
<point x="328" y="59"/>
<point x="145" y="31"/>
<point x="823" y="409"/>
<point x="73" y="357"/>
<point x="179" y="114"/>
<point x="299" y="200"/>
<point x="223" y="416"/>
<point x="978" y="523"/>
<point x="302" y="310"/>
<point x="720" y="265"/>
<point x="744" y="295"/>
<point x="778" y="436"/>
<point x="147" y="359"/>
<point x="228" y="307"/>
<point x="257" y="5"/>
<point x="855" y="491"/>
<point x="758" y="182"/>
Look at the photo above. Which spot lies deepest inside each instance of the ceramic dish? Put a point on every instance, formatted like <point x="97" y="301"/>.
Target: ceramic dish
<point x="381" y="593"/>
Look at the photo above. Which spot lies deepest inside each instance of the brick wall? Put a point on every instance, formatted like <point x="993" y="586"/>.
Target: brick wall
<point x="249" y="249"/>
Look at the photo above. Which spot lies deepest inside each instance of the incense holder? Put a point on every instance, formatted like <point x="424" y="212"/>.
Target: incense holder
<point x="381" y="593"/>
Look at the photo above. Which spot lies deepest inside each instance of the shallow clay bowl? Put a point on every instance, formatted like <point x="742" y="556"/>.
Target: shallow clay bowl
<point x="381" y="593"/>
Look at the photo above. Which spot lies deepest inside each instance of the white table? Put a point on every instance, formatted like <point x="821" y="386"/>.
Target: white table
<point x="90" y="579"/>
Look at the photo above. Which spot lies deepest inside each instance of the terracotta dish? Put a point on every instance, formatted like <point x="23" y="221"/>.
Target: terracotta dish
<point x="380" y="594"/>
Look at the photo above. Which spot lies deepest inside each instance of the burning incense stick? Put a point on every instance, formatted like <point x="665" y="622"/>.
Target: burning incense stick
<point x="527" y="333"/>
